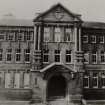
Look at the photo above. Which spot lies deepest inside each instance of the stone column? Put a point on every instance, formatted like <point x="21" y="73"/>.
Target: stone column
<point x="75" y="34"/>
<point x="21" y="79"/>
<point x="44" y="90"/>
<point x="80" y="39"/>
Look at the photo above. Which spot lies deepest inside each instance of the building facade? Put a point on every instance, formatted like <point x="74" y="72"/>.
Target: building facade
<point x="56" y="59"/>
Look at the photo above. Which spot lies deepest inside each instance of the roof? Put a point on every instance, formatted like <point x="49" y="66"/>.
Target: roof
<point x="58" y="5"/>
<point x="16" y="22"/>
<point x="95" y="25"/>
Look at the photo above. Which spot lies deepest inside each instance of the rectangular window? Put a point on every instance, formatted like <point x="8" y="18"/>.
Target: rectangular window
<point x="101" y="38"/>
<point x="68" y="56"/>
<point x="1" y="54"/>
<point x="103" y="80"/>
<point x="2" y="36"/>
<point x="94" y="57"/>
<point x="26" y="80"/>
<point x="86" y="58"/>
<point x="68" y="35"/>
<point x="46" y="56"/>
<point x="19" y="37"/>
<point x="27" y="55"/>
<point x="57" y="55"/>
<point x="18" y="55"/>
<point x="93" y="39"/>
<point x="10" y="36"/>
<point x="86" y="81"/>
<point x="7" y="80"/>
<point x="95" y="80"/>
<point x="57" y="34"/>
<point x="17" y="80"/>
<point x="9" y="55"/>
<point x="102" y="55"/>
<point x="85" y="39"/>
<point x="46" y="34"/>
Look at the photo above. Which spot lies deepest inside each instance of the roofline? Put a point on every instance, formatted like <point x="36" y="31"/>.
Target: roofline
<point x="58" y="4"/>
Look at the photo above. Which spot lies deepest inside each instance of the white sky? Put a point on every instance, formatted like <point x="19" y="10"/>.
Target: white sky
<point x="91" y="10"/>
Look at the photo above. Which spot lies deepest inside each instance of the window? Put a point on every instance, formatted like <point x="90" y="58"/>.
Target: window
<point x="28" y="36"/>
<point x="1" y="54"/>
<point x="93" y="39"/>
<point x="17" y="80"/>
<point x="86" y="58"/>
<point x="27" y="55"/>
<point x="94" y="57"/>
<point x="46" y="56"/>
<point x="68" y="56"/>
<point x="103" y="80"/>
<point x="57" y="34"/>
<point x="85" y="39"/>
<point x="19" y="36"/>
<point x="18" y="55"/>
<point x="86" y="81"/>
<point x="102" y="55"/>
<point x="26" y="80"/>
<point x="68" y="35"/>
<point x="101" y="39"/>
<point x="7" y="80"/>
<point x="2" y="36"/>
<point x="9" y="54"/>
<point x="95" y="80"/>
<point x="46" y="34"/>
<point x="57" y="55"/>
<point x="10" y="36"/>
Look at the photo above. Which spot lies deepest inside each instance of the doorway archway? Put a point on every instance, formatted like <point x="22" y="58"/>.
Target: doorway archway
<point x="56" y="87"/>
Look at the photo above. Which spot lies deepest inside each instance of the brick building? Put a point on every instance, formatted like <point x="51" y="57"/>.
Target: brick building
<point x="55" y="59"/>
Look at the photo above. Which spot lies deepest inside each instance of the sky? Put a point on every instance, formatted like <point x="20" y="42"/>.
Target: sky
<point x="91" y="10"/>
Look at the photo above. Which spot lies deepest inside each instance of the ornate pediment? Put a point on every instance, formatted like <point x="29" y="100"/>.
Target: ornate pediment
<point x="58" y="13"/>
<point x="57" y="67"/>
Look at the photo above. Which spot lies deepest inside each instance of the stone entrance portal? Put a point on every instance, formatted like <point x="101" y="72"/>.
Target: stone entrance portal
<point x="56" y="87"/>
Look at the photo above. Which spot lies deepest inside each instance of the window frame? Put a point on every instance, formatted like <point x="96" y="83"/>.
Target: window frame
<point x="86" y="77"/>
<point x="8" y="53"/>
<point x="57" y="54"/>
<point x="103" y="77"/>
<point x="86" y="55"/>
<point x="95" y="55"/>
<point x="93" y="37"/>
<point x="47" y="34"/>
<point x="102" y="55"/>
<point x="70" y="55"/>
<point x="2" y="34"/>
<point x="25" y="54"/>
<point x="57" y="34"/>
<point x="85" y="36"/>
<point x="46" y="54"/>
<point x="9" y="36"/>
<point x="103" y="40"/>
<point x="95" y="77"/>
<point x="70" y="34"/>
<point x="1" y="55"/>
<point x="17" y="53"/>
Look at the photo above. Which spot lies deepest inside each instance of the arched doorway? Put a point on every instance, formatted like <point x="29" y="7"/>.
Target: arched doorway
<point x="56" y="87"/>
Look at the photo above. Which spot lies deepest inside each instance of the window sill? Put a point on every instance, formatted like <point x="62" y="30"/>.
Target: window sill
<point x="45" y="62"/>
<point x="86" y="87"/>
<point x="95" y="87"/>
<point x="69" y="63"/>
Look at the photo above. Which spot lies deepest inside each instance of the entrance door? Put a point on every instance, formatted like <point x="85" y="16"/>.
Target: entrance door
<point x="56" y="87"/>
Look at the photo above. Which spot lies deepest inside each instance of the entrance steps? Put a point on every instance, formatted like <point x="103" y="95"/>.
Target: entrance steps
<point x="61" y="102"/>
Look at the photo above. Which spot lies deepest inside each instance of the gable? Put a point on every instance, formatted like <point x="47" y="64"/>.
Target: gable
<point x="58" y="13"/>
